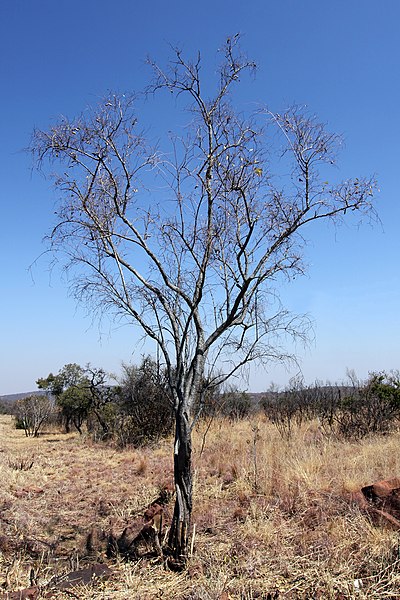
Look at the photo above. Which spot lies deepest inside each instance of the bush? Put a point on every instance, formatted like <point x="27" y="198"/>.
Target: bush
<point x="235" y="404"/>
<point x="146" y="405"/>
<point x="281" y="410"/>
<point x="373" y="407"/>
<point x="292" y="406"/>
<point x="5" y="408"/>
<point x="231" y="403"/>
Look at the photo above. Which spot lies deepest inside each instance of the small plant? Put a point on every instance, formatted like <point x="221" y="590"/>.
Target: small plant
<point x="256" y="436"/>
<point x="142" y="466"/>
<point x="23" y="463"/>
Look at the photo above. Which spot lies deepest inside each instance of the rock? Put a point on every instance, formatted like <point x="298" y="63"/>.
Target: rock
<point x="96" y="541"/>
<point x="135" y="543"/>
<point x="381" y="501"/>
<point x="143" y="539"/>
<point x="124" y="543"/>
<point x="81" y="577"/>
<point x="28" y="491"/>
<point x="71" y="580"/>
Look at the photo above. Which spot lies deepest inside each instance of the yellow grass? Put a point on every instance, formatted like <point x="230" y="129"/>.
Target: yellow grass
<point x="271" y="516"/>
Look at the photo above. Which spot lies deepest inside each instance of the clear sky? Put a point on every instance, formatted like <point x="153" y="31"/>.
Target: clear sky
<point x="342" y="58"/>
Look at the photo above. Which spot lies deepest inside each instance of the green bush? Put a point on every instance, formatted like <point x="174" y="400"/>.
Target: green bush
<point x="373" y="407"/>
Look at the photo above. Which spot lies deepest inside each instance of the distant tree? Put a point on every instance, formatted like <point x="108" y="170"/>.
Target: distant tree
<point x="282" y="407"/>
<point x="32" y="412"/>
<point x="70" y="387"/>
<point x="102" y="398"/>
<point x="194" y="257"/>
<point x="80" y="392"/>
<point x="227" y="401"/>
<point x="352" y="409"/>
<point x="4" y="407"/>
<point x="236" y="404"/>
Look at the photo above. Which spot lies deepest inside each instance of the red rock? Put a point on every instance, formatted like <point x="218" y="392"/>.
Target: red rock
<point x="81" y="577"/>
<point x="381" y="501"/>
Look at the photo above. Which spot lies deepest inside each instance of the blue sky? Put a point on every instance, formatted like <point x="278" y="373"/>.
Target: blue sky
<point x="341" y="58"/>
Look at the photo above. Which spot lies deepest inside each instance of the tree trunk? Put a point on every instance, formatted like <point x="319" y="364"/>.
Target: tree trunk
<point x="103" y="424"/>
<point x="67" y="423"/>
<point x="180" y="526"/>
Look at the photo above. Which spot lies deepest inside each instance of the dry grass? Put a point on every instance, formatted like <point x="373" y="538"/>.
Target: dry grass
<point x="271" y="516"/>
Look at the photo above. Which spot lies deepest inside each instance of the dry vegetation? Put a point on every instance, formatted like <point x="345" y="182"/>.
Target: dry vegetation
<point x="272" y="517"/>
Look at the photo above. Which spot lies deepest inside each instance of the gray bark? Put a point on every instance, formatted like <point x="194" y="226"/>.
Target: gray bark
<point x="180" y="526"/>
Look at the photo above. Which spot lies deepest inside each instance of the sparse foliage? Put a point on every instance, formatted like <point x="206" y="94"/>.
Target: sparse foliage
<point x="372" y="407"/>
<point x="227" y="401"/>
<point x="294" y="405"/>
<point x="4" y="408"/>
<point x="194" y="257"/>
<point x="146" y="403"/>
<point x="32" y="412"/>
<point x="235" y="404"/>
<point x="352" y="410"/>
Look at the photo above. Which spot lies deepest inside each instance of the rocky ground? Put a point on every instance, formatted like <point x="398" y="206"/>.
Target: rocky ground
<point x="272" y="519"/>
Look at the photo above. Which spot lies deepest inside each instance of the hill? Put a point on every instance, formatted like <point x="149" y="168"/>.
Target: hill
<point x="9" y="399"/>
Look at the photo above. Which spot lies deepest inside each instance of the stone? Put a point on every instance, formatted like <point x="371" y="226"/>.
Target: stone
<point x="381" y="500"/>
<point x="81" y="577"/>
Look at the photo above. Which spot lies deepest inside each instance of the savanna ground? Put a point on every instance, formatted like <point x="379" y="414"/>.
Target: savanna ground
<point x="272" y="517"/>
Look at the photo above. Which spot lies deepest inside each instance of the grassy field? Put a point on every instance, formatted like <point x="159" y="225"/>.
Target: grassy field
<point x="272" y="518"/>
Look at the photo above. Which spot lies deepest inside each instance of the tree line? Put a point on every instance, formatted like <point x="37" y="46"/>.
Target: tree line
<point x="351" y="410"/>
<point x="136" y="410"/>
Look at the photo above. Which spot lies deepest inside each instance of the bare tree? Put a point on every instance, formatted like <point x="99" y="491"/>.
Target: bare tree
<point x="191" y="244"/>
<point x="32" y="412"/>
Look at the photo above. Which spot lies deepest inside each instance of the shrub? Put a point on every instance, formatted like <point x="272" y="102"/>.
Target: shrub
<point x="231" y="403"/>
<point x="5" y="407"/>
<point x="235" y="404"/>
<point x="294" y="405"/>
<point x="146" y="404"/>
<point x="373" y="407"/>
